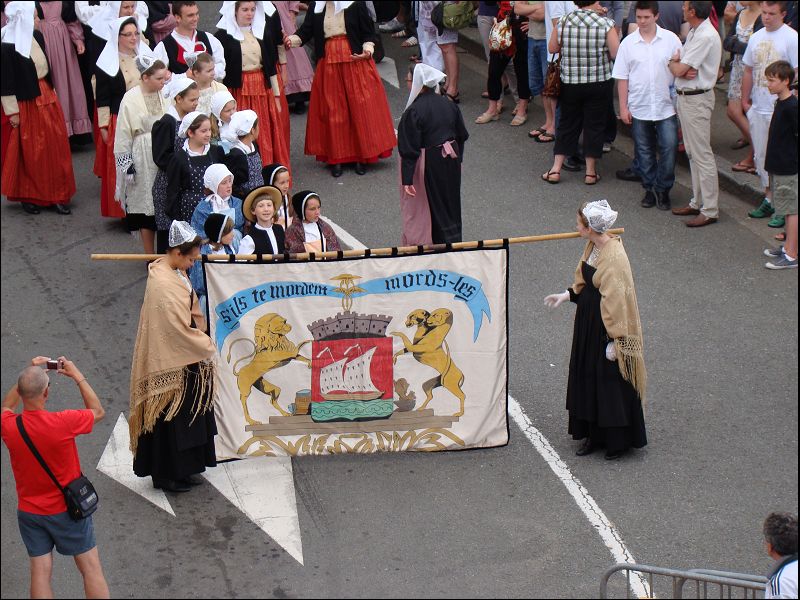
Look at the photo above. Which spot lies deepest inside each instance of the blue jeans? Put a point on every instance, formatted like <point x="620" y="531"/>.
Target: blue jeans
<point x="537" y="65"/>
<point x="655" y="149"/>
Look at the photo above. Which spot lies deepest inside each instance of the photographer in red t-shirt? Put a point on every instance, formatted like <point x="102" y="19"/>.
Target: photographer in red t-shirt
<point x="42" y="513"/>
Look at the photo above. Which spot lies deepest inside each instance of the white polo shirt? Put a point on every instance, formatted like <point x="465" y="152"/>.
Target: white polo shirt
<point x="646" y="67"/>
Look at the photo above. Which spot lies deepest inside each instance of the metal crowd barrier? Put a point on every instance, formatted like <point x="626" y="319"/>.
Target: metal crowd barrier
<point x="707" y="583"/>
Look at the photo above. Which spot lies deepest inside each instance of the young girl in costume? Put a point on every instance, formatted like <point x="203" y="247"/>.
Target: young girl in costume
<point x="202" y="72"/>
<point x="265" y="236"/>
<point x="308" y="231"/>
<point x="223" y="105"/>
<point x="184" y="95"/>
<point x="222" y="238"/>
<point x="244" y="158"/>
<point x="218" y="180"/>
<point x="278" y="176"/>
<point x="185" y="188"/>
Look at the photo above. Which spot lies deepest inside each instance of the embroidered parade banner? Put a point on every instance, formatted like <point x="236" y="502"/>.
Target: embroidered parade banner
<point x="360" y="355"/>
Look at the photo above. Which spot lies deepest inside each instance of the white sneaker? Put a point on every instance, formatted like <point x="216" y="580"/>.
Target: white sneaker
<point x="606" y="147"/>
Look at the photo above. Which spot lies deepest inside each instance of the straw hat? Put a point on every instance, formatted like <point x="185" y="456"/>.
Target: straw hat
<point x="267" y="190"/>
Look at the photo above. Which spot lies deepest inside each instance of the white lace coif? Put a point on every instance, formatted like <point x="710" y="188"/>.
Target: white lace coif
<point x="180" y="232"/>
<point x="600" y="215"/>
<point x="242" y="122"/>
<point x="176" y="85"/>
<point x="187" y="121"/>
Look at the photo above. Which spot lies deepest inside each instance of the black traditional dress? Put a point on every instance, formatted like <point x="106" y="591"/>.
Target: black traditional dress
<point x="601" y="404"/>
<point x="184" y="445"/>
<point x="434" y="124"/>
<point x="185" y="188"/>
<point x="166" y="143"/>
<point x="246" y="168"/>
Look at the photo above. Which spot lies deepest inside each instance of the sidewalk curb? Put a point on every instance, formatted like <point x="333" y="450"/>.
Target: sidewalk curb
<point x="745" y="186"/>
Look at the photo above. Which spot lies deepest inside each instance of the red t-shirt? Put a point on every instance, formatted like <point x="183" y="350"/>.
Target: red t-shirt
<point x="53" y="434"/>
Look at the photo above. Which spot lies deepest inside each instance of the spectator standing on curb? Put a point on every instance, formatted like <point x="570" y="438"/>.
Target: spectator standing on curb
<point x="537" y="65"/>
<point x="743" y="26"/>
<point x="42" y="512"/>
<point x="781" y="160"/>
<point x="780" y="539"/>
<point x="776" y="41"/>
<point x="644" y="84"/>
<point x="588" y="43"/>
<point x="499" y="60"/>
<point x="696" y="69"/>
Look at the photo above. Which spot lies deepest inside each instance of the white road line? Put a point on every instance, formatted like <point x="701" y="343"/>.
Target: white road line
<point x="607" y="532"/>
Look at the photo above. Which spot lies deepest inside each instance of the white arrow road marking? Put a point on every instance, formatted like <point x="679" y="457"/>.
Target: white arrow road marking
<point x="263" y="489"/>
<point x="388" y="71"/>
<point x="117" y="463"/>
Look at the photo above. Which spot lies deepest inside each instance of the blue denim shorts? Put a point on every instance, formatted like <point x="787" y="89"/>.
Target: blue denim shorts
<point x="41" y="533"/>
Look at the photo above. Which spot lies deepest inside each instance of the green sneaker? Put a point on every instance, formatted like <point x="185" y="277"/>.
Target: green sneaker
<point x="777" y="221"/>
<point x="764" y="210"/>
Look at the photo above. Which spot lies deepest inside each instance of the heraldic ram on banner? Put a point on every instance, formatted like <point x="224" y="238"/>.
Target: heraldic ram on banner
<point x="360" y="355"/>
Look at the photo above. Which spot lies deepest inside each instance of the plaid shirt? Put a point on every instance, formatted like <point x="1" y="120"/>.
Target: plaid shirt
<point x="584" y="53"/>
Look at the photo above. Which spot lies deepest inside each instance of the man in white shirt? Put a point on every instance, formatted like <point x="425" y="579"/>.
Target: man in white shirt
<point x="780" y="539"/>
<point x="644" y="84"/>
<point x="187" y="39"/>
<point x="696" y="69"/>
<point x="775" y="41"/>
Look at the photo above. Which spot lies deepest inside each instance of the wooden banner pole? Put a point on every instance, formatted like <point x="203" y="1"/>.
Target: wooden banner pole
<point x="528" y="239"/>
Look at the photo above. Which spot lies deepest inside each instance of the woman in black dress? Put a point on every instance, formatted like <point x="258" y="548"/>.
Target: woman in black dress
<point x="607" y="376"/>
<point x="172" y="424"/>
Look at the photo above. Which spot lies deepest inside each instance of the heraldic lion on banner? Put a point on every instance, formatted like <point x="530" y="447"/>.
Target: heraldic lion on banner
<point x="271" y="350"/>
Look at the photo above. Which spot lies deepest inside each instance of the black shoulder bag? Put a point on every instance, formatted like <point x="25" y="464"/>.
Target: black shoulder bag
<point x="79" y="494"/>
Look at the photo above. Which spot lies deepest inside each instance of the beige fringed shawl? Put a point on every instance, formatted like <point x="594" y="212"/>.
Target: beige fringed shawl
<point x="166" y="344"/>
<point x="619" y="309"/>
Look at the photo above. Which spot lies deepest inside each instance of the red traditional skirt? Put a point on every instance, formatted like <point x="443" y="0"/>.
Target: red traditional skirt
<point x="5" y="135"/>
<point x="38" y="163"/>
<point x="273" y="126"/>
<point x="109" y="207"/>
<point x="348" y="115"/>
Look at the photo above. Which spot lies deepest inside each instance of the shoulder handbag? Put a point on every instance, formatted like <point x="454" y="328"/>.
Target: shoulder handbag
<point x="552" y="79"/>
<point x="79" y="494"/>
<point x="500" y="36"/>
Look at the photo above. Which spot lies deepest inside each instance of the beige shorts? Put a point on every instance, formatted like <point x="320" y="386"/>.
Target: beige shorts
<point x="784" y="193"/>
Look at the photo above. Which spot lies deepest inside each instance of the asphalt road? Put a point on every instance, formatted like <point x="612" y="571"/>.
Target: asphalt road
<point x="721" y="350"/>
